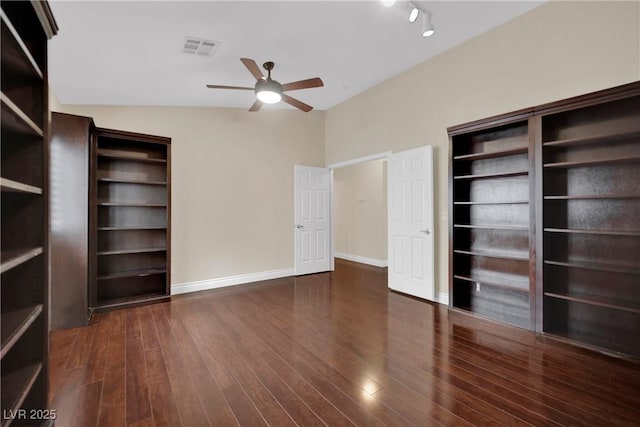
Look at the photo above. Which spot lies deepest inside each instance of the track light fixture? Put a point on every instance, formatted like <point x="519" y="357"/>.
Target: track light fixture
<point x="412" y="10"/>
<point x="427" y="26"/>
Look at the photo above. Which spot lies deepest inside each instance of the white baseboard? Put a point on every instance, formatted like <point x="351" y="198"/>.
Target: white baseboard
<point x="203" y="285"/>
<point x="362" y="259"/>
<point x="443" y="298"/>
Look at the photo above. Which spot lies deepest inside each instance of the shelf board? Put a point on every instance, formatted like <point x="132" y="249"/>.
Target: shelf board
<point x="595" y="341"/>
<point x="131" y="181"/>
<point x="492" y="175"/>
<point x="596" y="196"/>
<point x="132" y="273"/>
<point x="17" y="385"/>
<point x="15" y="323"/>
<point x="128" y="155"/>
<point x="22" y="45"/>
<point x="136" y="299"/>
<point x="14" y="258"/>
<point x="134" y="204"/>
<point x="587" y="231"/>
<point x="10" y="185"/>
<point x="593" y="162"/>
<point x="141" y="227"/>
<point x="498" y="202"/>
<point x="595" y="266"/>
<point x="131" y="251"/>
<point x="613" y="303"/>
<point x="492" y="154"/>
<point x="14" y="119"/>
<point x="592" y="139"/>
<point x="492" y="254"/>
<point x="524" y="287"/>
<point x="494" y="227"/>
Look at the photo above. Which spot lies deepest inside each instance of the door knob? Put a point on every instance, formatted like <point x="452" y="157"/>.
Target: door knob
<point x="299" y="226"/>
<point x="426" y="231"/>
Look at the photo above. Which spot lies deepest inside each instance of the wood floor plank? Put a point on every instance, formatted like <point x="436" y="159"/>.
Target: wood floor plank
<point x="112" y="415"/>
<point x="185" y="393"/>
<point x="114" y="386"/>
<point x="330" y="349"/>
<point x="78" y="357"/>
<point x="62" y="341"/>
<point x="137" y="386"/>
<point x="148" y="328"/>
<point x="88" y="405"/>
<point x="161" y="396"/>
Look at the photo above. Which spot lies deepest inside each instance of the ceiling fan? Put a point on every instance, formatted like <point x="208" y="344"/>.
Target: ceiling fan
<point x="269" y="91"/>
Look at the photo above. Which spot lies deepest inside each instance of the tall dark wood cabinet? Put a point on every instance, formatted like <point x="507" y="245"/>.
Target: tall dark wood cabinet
<point x="545" y="223"/>
<point x="69" y="187"/>
<point x="26" y="27"/>
<point x="130" y="210"/>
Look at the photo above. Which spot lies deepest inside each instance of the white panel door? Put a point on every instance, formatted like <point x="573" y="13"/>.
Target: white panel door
<point x="312" y="199"/>
<point x="411" y="234"/>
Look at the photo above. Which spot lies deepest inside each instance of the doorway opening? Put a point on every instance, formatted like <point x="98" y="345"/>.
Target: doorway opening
<point x="359" y="197"/>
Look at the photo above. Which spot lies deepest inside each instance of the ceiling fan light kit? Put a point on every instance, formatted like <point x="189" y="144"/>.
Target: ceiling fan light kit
<point x="269" y="91"/>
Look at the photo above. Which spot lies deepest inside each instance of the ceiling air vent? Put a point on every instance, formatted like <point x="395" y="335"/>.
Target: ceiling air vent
<point x="197" y="46"/>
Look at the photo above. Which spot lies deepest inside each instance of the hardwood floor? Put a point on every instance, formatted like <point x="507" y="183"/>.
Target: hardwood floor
<point x="328" y="349"/>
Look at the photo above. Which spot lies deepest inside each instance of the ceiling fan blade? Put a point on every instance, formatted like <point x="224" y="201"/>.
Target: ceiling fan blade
<point x="253" y="68"/>
<point x="298" y="104"/>
<point x="256" y="106"/>
<point x="303" y="84"/>
<point x="229" y="87"/>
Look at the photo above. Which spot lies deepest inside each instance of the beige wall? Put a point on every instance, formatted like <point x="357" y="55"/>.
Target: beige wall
<point x="232" y="182"/>
<point x="360" y="210"/>
<point x="558" y="50"/>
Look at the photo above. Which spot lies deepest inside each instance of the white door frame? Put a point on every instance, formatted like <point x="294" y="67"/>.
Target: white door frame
<point x="380" y="156"/>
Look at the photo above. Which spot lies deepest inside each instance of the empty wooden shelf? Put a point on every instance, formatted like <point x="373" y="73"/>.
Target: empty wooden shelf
<point x="590" y="217"/>
<point x="545" y="224"/>
<point x="490" y="224"/>
<point x="26" y="27"/>
<point x="130" y="219"/>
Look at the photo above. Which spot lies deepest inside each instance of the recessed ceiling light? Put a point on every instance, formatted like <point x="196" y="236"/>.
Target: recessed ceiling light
<point x="388" y="3"/>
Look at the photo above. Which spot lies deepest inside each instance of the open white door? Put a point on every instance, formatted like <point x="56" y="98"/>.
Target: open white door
<point x="411" y="235"/>
<point x="312" y="199"/>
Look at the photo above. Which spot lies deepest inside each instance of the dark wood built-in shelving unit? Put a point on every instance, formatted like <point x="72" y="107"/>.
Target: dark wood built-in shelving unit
<point x="490" y="224"/>
<point x="545" y="224"/>
<point x="130" y="219"/>
<point x="26" y="27"/>
<point x="590" y="256"/>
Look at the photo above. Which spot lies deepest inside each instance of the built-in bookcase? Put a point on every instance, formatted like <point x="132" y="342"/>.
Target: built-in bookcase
<point x="26" y="27"/>
<point x="545" y="219"/>
<point x="131" y="218"/>
<point x="491" y="222"/>
<point x="591" y="223"/>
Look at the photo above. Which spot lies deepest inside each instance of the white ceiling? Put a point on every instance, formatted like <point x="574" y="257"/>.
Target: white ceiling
<point x="130" y="53"/>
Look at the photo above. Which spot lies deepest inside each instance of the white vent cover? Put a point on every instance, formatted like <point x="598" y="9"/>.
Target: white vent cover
<point x="197" y="46"/>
